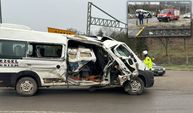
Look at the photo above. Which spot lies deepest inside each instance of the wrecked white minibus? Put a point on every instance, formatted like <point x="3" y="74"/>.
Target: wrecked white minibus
<point x="31" y="59"/>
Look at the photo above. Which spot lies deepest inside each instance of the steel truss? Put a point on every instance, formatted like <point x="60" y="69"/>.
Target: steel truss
<point x="114" y="23"/>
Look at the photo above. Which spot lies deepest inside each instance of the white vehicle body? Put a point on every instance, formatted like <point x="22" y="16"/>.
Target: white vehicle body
<point x="187" y="15"/>
<point x="141" y="65"/>
<point x="31" y="59"/>
<point x="147" y="14"/>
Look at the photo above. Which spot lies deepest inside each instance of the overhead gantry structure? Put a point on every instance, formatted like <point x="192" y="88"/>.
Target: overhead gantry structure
<point x="113" y="22"/>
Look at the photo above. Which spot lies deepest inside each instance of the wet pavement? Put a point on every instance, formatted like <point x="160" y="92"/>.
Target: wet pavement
<point x="172" y="93"/>
<point x="153" y="22"/>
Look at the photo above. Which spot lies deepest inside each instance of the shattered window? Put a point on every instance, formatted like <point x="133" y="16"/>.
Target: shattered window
<point x="85" y="54"/>
<point x="123" y="51"/>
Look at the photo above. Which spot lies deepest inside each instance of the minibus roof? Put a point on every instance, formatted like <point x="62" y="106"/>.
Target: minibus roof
<point x="23" y="34"/>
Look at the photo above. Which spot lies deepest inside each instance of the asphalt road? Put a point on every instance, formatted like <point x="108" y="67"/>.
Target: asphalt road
<point x="172" y="93"/>
<point x="154" y="22"/>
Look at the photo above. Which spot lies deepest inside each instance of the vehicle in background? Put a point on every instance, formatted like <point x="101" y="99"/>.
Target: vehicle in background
<point x="147" y="14"/>
<point x="168" y="15"/>
<point x="131" y="16"/>
<point x="187" y="15"/>
<point x="158" y="70"/>
<point x="30" y="59"/>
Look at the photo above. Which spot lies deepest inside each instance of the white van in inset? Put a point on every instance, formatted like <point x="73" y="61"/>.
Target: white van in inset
<point x="31" y="59"/>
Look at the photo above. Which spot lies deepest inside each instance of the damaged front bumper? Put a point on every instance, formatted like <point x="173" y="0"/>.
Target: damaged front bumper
<point x="148" y="77"/>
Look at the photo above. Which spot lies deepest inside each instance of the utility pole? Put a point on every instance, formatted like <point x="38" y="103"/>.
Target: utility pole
<point x="0" y="13"/>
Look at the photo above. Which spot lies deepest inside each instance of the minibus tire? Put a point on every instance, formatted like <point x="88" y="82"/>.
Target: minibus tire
<point x="26" y="86"/>
<point x="134" y="87"/>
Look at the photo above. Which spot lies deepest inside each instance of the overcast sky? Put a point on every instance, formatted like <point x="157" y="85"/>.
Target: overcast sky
<point x="40" y="14"/>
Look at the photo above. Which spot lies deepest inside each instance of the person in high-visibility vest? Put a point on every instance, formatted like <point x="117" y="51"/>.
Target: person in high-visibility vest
<point x="147" y="61"/>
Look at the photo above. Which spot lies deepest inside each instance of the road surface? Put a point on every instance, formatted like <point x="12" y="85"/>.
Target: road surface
<point x="172" y="93"/>
<point x="151" y="24"/>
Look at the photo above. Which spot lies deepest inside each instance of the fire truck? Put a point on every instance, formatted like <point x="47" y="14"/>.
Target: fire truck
<point x="168" y="15"/>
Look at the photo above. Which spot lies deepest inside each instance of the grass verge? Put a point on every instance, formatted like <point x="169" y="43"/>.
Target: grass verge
<point x="179" y="67"/>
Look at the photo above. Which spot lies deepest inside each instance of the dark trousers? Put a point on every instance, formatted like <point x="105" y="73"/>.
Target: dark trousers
<point x="141" y="21"/>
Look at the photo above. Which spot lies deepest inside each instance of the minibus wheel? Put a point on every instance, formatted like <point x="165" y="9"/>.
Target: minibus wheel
<point x="134" y="86"/>
<point x="26" y="86"/>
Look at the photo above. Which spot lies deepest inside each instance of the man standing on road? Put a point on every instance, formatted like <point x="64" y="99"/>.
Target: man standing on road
<point x="147" y="61"/>
<point x="140" y="17"/>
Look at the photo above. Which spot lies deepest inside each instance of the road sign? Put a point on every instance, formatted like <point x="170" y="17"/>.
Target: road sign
<point x="60" y="31"/>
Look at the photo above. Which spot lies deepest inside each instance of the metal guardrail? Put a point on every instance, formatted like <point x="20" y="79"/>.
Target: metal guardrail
<point x="165" y="32"/>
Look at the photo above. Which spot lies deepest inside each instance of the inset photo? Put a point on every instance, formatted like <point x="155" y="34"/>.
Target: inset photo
<point x="159" y="18"/>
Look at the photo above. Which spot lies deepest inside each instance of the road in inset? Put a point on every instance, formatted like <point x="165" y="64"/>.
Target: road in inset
<point x="151" y="24"/>
<point x="172" y="93"/>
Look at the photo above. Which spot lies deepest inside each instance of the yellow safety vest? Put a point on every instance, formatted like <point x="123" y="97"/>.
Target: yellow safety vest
<point x="147" y="61"/>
